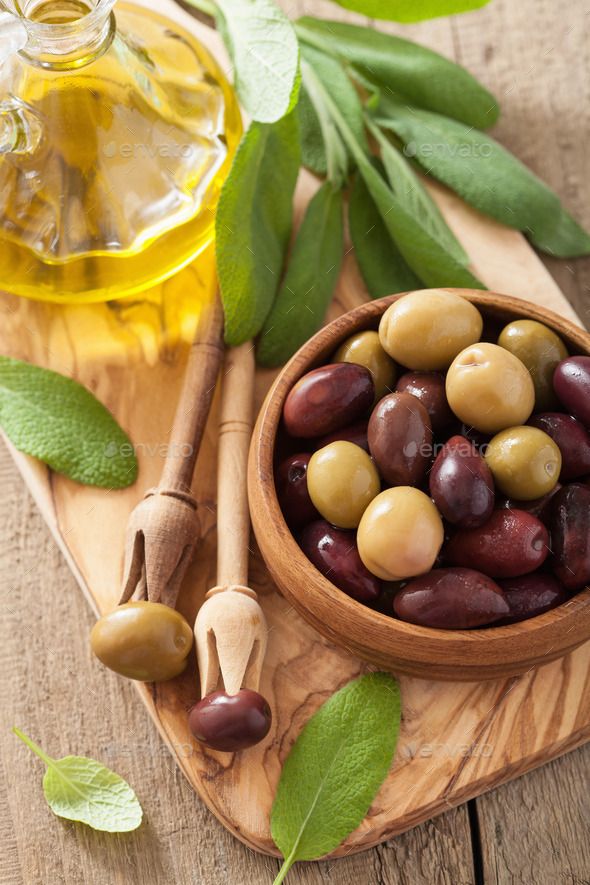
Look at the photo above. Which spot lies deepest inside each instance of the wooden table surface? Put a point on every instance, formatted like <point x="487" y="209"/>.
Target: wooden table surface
<point x="534" y="55"/>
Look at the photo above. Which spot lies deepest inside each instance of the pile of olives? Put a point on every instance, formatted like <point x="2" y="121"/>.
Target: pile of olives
<point x="441" y="466"/>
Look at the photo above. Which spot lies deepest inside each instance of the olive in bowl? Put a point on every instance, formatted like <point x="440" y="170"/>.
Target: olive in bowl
<point x="454" y="649"/>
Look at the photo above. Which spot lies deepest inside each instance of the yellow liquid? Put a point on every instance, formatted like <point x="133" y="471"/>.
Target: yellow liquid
<point x="122" y="191"/>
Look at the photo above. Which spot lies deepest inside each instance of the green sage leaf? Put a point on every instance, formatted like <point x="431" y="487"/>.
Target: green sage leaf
<point x="264" y="49"/>
<point x="381" y="264"/>
<point x="335" y="769"/>
<point x="59" y="421"/>
<point x="309" y="281"/>
<point x="424" y="253"/>
<point x="313" y="149"/>
<point x="253" y="224"/>
<point x="406" y="71"/>
<point x="81" y="789"/>
<point x="410" y="10"/>
<point x="486" y="175"/>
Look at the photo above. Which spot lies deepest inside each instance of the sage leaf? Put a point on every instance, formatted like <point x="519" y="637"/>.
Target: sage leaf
<point x="262" y="44"/>
<point x="410" y="10"/>
<point x="81" y="789"/>
<point x="310" y="279"/>
<point x="425" y="254"/>
<point x="313" y="149"/>
<point x="57" y="420"/>
<point x="335" y="769"/>
<point x="486" y="175"/>
<point x="413" y="195"/>
<point x="405" y="70"/>
<point x="253" y="224"/>
<point x="330" y="70"/>
<point x="380" y="262"/>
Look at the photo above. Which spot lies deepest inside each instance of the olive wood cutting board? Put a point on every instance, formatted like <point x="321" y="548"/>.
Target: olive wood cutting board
<point x="457" y="740"/>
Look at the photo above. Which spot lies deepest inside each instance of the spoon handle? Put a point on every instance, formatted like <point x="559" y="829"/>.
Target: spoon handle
<point x="235" y="431"/>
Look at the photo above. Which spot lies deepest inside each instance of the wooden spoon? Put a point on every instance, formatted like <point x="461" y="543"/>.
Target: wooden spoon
<point x="164" y="528"/>
<point x="230" y="630"/>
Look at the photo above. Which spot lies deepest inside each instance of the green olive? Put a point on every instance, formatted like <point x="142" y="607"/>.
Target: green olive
<point x="489" y="388"/>
<point x="342" y="481"/>
<point x="525" y="462"/>
<point x="365" y="350"/>
<point x="426" y="330"/>
<point x="147" y="641"/>
<point x="400" y="534"/>
<point x="540" y="349"/>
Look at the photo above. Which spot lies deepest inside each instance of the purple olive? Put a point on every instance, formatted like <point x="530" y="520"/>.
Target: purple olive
<point x="571" y="382"/>
<point x="572" y="440"/>
<point x="451" y="599"/>
<point x="429" y="388"/>
<point x="354" y="433"/>
<point x="230" y="722"/>
<point x="510" y="543"/>
<point x="461" y="484"/>
<point x="400" y="439"/>
<point x="291" y="483"/>
<point x="570" y="536"/>
<point x="327" y="399"/>
<point x="335" y="554"/>
<point x="531" y="595"/>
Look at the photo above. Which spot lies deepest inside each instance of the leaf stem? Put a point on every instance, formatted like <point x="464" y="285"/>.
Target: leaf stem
<point x="287" y="864"/>
<point x="33" y="746"/>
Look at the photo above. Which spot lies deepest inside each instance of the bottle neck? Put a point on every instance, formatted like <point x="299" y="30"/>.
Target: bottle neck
<point x="66" y="34"/>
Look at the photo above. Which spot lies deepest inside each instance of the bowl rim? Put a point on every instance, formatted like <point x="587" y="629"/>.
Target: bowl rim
<point x="332" y="611"/>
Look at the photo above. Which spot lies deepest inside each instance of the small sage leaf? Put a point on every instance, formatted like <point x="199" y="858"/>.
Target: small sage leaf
<point x="81" y="789"/>
<point x="335" y="769"/>
<point x="309" y="282"/>
<point x="59" y="421"/>
<point x="313" y="150"/>
<point x="424" y="253"/>
<point x="486" y="175"/>
<point x="409" y="10"/>
<point x="253" y="224"/>
<point x="263" y="46"/>
<point x="381" y="264"/>
<point x="330" y="70"/>
<point x="406" y="70"/>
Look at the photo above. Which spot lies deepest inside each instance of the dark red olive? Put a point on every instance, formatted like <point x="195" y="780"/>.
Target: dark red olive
<point x="429" y="388"/>
<point x="335" y="554"/>
<point x="571" y="382"/>
<point x="510" y="543"/>
<point x="570" y="536"/>
<point x="327" y="399"/>
<point x="451" y="599"/>
<point x="540" y="507"/>
<point x="531" y="595"/>
<point x="230" y="722"/>
<point x="461" y="484"/>
<point x="572" y="440"/>
<point x="291" y="482"/>
<point x="400" y="439"/>
<point x="354" y="433"/>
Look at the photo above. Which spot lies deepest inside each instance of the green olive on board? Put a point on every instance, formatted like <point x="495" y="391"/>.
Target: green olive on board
<point x="400" y="534"/>
<point x="342" y="481"/>
<point x="426" y="330"/>
<point x="525" y="462"/>
<point x="490" y="389"/>
<point x="146" y="641"/>
<point x="540" y="349"/>
<point x="365" y="349"/>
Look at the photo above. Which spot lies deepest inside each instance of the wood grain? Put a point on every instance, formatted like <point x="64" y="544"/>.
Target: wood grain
<point x="546" y="120"/>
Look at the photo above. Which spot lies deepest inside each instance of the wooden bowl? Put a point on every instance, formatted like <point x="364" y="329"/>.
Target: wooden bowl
<point x="465" y="655"/>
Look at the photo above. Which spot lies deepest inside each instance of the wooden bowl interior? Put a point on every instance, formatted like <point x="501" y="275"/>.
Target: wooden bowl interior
<point x="385" y="641"/>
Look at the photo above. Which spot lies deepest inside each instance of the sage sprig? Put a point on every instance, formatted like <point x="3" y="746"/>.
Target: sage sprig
<point x="350" y="94"/>
<point x="335" y="769"/>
